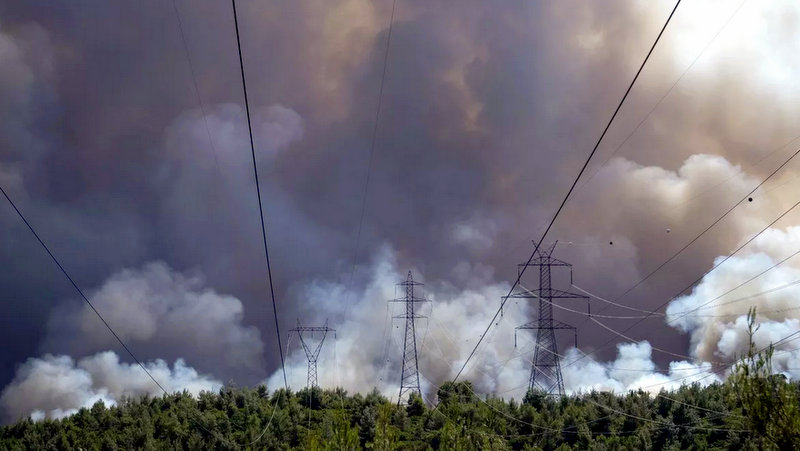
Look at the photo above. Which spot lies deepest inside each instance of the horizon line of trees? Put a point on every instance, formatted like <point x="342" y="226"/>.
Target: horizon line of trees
<point x="752" y="410"/>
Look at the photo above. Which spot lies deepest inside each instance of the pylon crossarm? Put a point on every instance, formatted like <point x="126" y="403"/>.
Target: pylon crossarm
<point x="312" y="329"/>
<point x="547" y="293"/>
<point x="533" y="325"/>
<point x="404" y="316"/>
<point x="404" y="301"/>
<point x="311" y="354"/>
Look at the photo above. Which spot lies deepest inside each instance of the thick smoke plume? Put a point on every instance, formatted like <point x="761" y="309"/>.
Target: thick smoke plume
<point x="57" y="386"/>
<point x="717" y="324"/>
<point x="487" y="112"/>
<point x="158" y="311"/>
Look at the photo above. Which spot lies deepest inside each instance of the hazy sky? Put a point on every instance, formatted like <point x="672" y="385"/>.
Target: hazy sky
<point x="488" y="111"/>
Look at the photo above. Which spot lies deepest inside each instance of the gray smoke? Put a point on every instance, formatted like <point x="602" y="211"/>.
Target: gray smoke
<point x="487" y="113"/>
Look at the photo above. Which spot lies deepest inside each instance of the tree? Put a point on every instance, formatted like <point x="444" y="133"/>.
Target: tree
<point x="769" y="405"/>
<point x="386" y="435"/>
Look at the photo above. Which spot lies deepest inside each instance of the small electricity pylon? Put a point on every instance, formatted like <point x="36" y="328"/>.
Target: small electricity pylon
<point x="312" y="353"/>
<point x="546" y="367"/>
<point x="409" y="377"/>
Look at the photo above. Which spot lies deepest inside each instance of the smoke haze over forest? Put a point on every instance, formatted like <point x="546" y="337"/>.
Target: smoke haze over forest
<point x="488" y="112"/>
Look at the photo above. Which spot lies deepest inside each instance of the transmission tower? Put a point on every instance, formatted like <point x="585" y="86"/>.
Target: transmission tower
<point x="312" y="353"/>
<point x="546" y="368"/>
<point x="409" y="377"/>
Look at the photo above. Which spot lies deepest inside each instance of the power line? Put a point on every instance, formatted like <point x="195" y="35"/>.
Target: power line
<point x="574" y="183"/>
<point x="685" y="313"/>
<point x="89" y="303"/>
<point x="369" y="163"/>
<point x="194" y="82"/>
<point x="625" y="369"/>
<point x="666" y="94"/>
<point x="258" y="192"/>
<point x="716" y="265"/>
<point x="706" y="305"/>
<point x="709" y="227"/>
<point x="592" y="317"/>
<point x="80" y="292"/>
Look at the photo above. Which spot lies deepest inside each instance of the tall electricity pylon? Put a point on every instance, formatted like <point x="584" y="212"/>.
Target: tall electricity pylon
<point x="546" y="367"/>
<point x="312" y="353"/>
<point x="409" y="377"/>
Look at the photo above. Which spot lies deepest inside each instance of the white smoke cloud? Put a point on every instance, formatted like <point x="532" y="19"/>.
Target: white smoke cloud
<point x="633" y="369"/>
<point x="369" y="342"/>
<point x="718" y="327"/>
<point x="163" y="313"/>
<point x="367" y="356"/>
<point x="57" y="386"/>
<point x="459" y="315"/>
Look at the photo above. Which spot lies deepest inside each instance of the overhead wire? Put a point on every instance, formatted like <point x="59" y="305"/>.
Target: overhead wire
<point x="713" y="268"/>
<point x="80" y="292"/>
<point x="373" y="142"/>
<point x="194" y="82"/>
<point x="708" y="228"/>
<point x="664" y="96"/>
<point x="683" y="314"/>
<point x="591" y="317"/>
<point x="274" y="404"/>
<point x="612" y="368"/>
<point x="705" y="306"/>
<point x="94" y="309"/>
<point x="739" y="172"/>
<point x="572" y="187"/>
<point x="565" y="430"/>
<point x="258" y="192"/>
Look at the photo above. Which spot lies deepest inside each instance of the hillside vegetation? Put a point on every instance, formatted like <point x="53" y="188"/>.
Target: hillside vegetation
<point x="714" y="417"/>
<point x="753" y="409"/>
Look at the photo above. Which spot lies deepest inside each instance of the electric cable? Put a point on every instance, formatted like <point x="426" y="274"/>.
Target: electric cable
<point x="713" y="268"/>
<point x="664" y="96"/>
<point x="194" y="82"/>
<point x="574" y="183"/>
<point x="371" y="157"/>
<point x="258" y="192"/>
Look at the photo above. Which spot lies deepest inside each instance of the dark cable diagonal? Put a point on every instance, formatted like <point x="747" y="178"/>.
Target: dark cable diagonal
<point x="80" y="292"/>
<point x="105" y="323"/>
<point x="574" y="183"/>
<point x="258" y="192"/>
<point x="664" y="96"/>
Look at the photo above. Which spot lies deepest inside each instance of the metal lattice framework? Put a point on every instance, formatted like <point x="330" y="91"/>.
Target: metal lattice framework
<point x="409" y="377"/>
<point x="312" y="352"/>
<point x="546" y="367"/>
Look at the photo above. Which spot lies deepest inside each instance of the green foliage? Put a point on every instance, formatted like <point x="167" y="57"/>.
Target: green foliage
<point x="765" y="402"/>
<point x="752" y="410"/>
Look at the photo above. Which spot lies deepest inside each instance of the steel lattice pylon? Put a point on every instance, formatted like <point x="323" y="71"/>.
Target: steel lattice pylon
<point x="546" y="367"/>
<point x="409" y="377"/>
<point x="312" y="353"/>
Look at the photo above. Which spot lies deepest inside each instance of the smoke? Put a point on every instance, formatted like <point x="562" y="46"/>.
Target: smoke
<point x="369" y="356"/>
<point x="368" y="353"/>
<point x="55" y="386"/>
<point x="487" y="113"/>
<point x="157" y="311"/>
<point x="717" y="322"/>
<point x="633" y="369"/>
<point x="369" y="342"/>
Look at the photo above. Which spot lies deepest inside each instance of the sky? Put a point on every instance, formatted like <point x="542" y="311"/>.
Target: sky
<point x="123" y="140"/>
